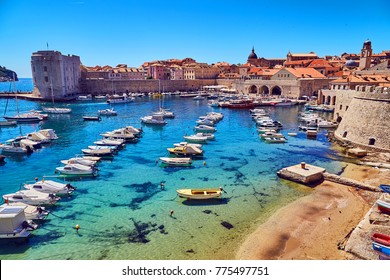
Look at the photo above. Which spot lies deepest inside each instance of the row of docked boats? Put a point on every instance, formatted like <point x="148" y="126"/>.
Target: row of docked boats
<point x="380" y="241"/>
<point x="28" y="143"/>
<point x="268" y="128"/>
<point x="185" y="152"/>
<point x="22" y="210"/>
<point x="105" y="148"/>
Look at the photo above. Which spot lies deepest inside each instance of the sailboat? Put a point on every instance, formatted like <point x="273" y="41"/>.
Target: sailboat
<point x="55" y="110"/>
<point x="21" y="118"/>
<point x="163" y="112"/>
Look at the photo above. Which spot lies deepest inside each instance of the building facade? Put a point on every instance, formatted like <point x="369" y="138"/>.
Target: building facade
<point x="55" y="75"/>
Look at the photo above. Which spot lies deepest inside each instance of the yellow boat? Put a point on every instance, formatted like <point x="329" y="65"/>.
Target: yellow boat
<point x="187" y="150"/>
<point x="200" y="193"/>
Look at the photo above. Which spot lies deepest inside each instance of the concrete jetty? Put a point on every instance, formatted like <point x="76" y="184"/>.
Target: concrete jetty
<point x="308" y="174"/>
<point x="303" y="173"/>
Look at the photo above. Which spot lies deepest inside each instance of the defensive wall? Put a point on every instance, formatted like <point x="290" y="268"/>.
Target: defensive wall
<point x="104" y="86"/>
<point x="366" y="121"/>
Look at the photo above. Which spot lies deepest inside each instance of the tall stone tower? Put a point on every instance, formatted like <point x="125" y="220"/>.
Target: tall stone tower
<point x="365" y="56"/>
<point x="52" y="70"/>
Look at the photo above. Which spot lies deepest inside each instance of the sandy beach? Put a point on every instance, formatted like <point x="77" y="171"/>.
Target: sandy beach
<point x="312" y="227"/>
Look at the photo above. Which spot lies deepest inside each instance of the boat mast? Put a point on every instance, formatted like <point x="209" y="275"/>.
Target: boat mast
<point x="14" y="90"/>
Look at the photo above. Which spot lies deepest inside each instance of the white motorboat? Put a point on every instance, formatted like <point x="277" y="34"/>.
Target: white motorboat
<point x="98" y="153"/>
<point x="208" y="135"/>
<point x="84" y="97"/>
<point x="13" y="222"/>
<point x="49" y="133"/>
<point x="196" y="138"/>
<point x="293" y="134"/>
<point x="31" y="197"/>
<point x="311" y="133"/>
<point x="205" y="128"/>
<point x="165" y="113"/>
<point x="78" y="160"/>
<point x="154" y="119"/>
<point x="176" y="161"/>
<point x="199" y="97"/>
<point x="205" y="122"/>
<point x="120" y="99"/>
<point x="49" y="186"/>
<point x="96" y="159"/>
<point x="107" y="112"/>
<point x="77" y="170"/>
<point x="57" y="110"/>
<point x="136" y="131"/>
<point x="120" y="134"/>
<point x="327" y="124"/>
<point x="100" y="97"/>
<point x="118" y="143"/>
<point x="96" y="147"/>
<point x="275" y="140"/>
<point x="38" y="137"/>
<point x="14" y="149"/>
<point x="271" y="135"/>
<point x="199" y="146"/>
<point x="30" y="143"/>
<point x="32" y="212"/>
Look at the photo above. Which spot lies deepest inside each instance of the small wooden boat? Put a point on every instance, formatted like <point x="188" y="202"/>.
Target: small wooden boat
<point x="381" y="239"/>
<point x="200" y="193"/>
<point x="385" y="188"/>
<point x="176" y="161"/>
<point x="383" y="206"/>
<point x="381" y="248"/>
<point x="92" y="118"/>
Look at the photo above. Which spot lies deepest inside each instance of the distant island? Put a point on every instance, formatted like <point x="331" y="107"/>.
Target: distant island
<point x="7" y="75"/>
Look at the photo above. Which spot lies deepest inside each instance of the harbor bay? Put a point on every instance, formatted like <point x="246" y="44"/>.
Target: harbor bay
<point x="125" y="214"/>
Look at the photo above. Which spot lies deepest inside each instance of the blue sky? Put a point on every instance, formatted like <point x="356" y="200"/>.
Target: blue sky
<point x="132" y="32"/>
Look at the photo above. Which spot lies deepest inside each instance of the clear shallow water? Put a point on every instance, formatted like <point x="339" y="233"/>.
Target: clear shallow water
<point x="126" y="196"/>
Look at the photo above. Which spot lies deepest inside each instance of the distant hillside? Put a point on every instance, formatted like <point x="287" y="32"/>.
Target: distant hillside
<point x="7" y="75"/>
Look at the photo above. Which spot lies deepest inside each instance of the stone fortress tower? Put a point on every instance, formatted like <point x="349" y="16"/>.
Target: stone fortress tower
<point x="57" y="73"/>
<point x="365" y="56"/>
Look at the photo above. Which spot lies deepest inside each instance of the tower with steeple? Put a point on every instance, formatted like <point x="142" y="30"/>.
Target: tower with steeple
<point x="365" y="55"/>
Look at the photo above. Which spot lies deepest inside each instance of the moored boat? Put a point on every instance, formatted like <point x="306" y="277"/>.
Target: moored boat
<point x="92" y="118"/>
<point x="77" y="170"/>
<point x="204" y="128"/>
<point x="381" y="248"/>
<point x="200" y="194"/>
<point x="381" y="239"/>
<point x="7" y="123"/>
<point x="187" y="150"/>
<point x="13" y="222"/>
<point x="49" y="186"/>
<point x="385" y="188"/>
<point x="32" y="212"/>
<point x="176" y="161"/>
<point x="383" y="206"/>
<point x="31" y="197"/>
<point x="107" y="112"/>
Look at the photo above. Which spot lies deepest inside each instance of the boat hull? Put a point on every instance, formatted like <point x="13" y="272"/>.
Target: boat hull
<point x="199" y="194"/>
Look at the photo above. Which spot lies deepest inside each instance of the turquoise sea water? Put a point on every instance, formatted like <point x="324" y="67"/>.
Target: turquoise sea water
<point x="123" y="213"/>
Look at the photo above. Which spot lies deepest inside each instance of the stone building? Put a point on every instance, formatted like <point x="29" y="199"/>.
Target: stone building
<point x="365" y="55"/>
<point x="263" y="62"/>
<point x="55" y="74"/>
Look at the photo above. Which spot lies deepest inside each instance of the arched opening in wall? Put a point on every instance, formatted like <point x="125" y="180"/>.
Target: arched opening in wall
<point x="334" y="100"/>
<point x="252" y="89"/>
<point x="323" y="100"/>
<point x="371" y="141"/>
<point x="276" y="90"/>
<point x="345" y="134"/>
<point x="328" y="100"/>
<point x="264" y="90"/>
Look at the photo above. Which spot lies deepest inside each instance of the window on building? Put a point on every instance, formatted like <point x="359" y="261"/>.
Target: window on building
<point x="345" y="134"/>
<point x="371" y="141"/>
<point x="341" y="106"/>
<point x="46" y="79"/>
<point x="33" y="68"/>
<point x="45" y="68"/>
<point x="346" y="108"/>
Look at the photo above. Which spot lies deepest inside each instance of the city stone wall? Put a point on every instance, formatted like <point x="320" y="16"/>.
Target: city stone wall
<point x="100" y="86"/>
<point x="366" y="122"/>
